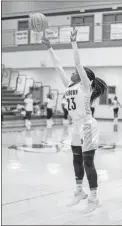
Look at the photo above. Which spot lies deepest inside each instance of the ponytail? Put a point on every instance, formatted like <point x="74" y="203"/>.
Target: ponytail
<point x="99" y="87"/>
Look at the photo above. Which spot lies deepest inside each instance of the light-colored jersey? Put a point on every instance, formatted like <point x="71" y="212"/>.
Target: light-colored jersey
<point x="79" y="109"/>
<point x="78" y="102"/>
<point x="49" y="103"/>
<point x="28" y="104"/>
<point x="78" y="99"/>
<point x="115" y="104"/>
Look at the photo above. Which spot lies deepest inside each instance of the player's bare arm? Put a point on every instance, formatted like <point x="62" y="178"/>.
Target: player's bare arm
<point x="78" y="65"/>
<point x="56" y="62"/>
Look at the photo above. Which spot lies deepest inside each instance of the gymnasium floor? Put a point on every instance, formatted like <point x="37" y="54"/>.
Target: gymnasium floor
<point x="38" y="183"/>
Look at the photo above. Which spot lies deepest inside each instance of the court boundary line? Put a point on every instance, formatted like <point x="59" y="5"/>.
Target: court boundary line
<point x="52" y="193"/>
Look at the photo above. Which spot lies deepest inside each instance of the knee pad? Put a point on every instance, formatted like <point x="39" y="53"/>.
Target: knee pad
<point x="77" y="157"/>
<point x="78" y="162"/>
<point x="77" y="150"/>
<point x="88" y="161"/>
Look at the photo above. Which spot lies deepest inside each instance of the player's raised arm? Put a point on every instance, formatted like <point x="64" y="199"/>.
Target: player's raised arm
<point x="83" y="76"/>
<point x="119" y="104"/>
<point x="56" y="63"/>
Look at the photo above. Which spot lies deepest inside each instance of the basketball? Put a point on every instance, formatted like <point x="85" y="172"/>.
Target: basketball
<point x="38" y="22"/>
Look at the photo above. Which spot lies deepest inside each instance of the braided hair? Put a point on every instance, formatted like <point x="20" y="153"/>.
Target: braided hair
<point x="98" y="85"/>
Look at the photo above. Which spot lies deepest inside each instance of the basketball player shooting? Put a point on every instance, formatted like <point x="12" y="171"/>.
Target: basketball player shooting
<point x="81" y="90"/>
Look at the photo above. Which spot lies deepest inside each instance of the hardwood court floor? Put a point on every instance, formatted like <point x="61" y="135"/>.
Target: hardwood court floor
<point x="38" y="183"/>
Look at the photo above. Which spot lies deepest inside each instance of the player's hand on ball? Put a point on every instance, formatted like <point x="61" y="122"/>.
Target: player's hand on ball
<point x="73" y="35"/>
<point x="46" y="42"/>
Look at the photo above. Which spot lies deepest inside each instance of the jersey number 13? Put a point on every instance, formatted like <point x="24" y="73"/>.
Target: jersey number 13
<point x="71" y="104"/>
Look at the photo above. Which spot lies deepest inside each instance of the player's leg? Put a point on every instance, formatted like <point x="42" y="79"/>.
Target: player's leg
<point x="78" y="167"/>
<point x="29" y="120"/>
<point x="65" y="125"/>
<point x="91" y="138"/>
<point x="88" y="158"/>
<point x="91" y="174"/>
<point x="48" y="131"/>
<point x="26" y="120"/>
<point x="116" y="119"/>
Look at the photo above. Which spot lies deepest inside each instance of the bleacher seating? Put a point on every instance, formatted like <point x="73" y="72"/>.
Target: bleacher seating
<point x="11" y="98"/>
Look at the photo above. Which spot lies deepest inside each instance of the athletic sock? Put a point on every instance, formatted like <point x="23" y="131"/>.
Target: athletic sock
<point x="93" y="194"/>
<point x="79" y="185"/>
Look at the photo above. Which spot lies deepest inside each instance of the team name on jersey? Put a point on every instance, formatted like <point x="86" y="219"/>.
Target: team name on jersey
<point x="71" y="92"/>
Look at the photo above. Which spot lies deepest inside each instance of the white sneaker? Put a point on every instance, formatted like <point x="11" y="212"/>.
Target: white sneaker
<point x="78" y="195"/>
<point x="92" y="205"/>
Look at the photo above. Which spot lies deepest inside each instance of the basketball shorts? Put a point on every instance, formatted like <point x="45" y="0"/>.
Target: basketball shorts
<point x="76" y="136"/>
<point x="28" y="115"/>
<point x="116" y="110"/>
<point x="49" y="113"/>
<point x="91" y="135"/>
<point x="86" y="134"/>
